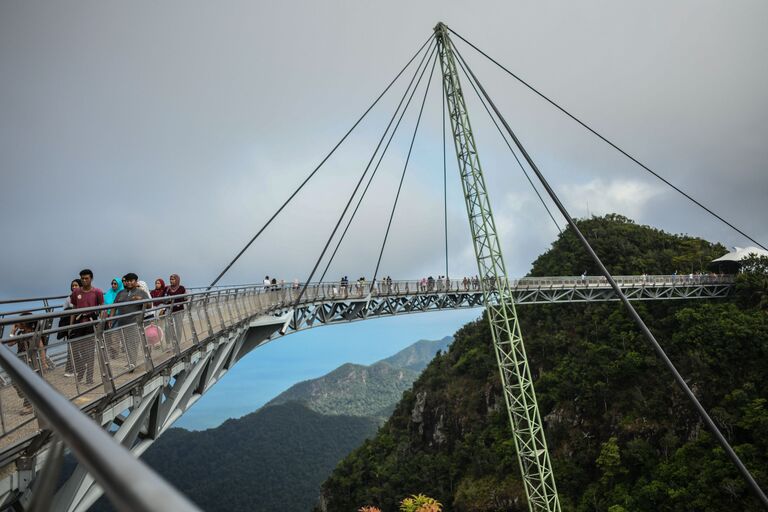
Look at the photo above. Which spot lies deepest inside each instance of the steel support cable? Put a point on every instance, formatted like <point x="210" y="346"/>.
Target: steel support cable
<point x="443" y="108"/>
<point x="311" y="175"/>
<point x="367" y="167"/>
<point x="607" y="141"/>
<point x="130" y="484"/>
<point x="633" y="313"/>
<point x="402" y="176"/>
<point x="522" y="167"/>
<point x="367" y="186"/>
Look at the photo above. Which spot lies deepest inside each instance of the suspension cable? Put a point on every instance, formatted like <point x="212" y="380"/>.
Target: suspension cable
<point x="367" y="167"/>
<point x="443" y="108"/>
<point x="309" y="177"/>
<point x="522" y="168"/>
<point x="607" y="141"/>
<point x="402" y="176"/>
<point x="632" y="312"/>
<point x="367" y="186"/>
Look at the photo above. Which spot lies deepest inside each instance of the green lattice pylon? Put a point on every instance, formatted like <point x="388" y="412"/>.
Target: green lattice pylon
<point x="527" y="428"/>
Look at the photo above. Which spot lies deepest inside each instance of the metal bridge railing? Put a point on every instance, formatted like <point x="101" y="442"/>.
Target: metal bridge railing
<point x="94" y="359"/>
<point x="129" y="483"/>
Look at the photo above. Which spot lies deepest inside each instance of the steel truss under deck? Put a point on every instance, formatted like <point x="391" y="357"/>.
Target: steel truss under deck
<point x="523" y="410"/>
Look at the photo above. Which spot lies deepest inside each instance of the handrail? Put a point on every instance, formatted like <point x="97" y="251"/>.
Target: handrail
<point x="33" y="299"/>
<point x="130" y="484"/>
<point x="454" y="284"/>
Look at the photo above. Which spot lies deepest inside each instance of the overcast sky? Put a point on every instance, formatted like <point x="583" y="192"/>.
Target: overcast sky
<point x="157" y="137"/>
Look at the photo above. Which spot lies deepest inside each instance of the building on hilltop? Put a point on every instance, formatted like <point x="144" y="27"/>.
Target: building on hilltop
<point x="731" y="263"/>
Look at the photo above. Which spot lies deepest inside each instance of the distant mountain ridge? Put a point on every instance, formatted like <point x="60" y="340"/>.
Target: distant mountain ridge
<point x="368" y="391"/>
<point x="277" y="457"/>
<point x="417" y="356"/>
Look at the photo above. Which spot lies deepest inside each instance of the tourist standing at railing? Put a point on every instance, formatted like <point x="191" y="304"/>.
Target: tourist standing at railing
<point x="123" y="306"/>
<point x="343" y="284"/>
<point x="115" y="287"/>
<point x="143" y="285"/>
<point x="23" y="331"/>
<point x="69" y="368"/>
<point x="360" y="286"/>
<point x="158" y="291"/>
<point x="127" y="308"/>
<point x="83" y="351"/>
<point x="87" y="296"/>
<point x="176" y="288"/>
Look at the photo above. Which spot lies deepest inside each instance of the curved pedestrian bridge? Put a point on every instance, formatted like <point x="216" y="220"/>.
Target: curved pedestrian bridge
<point x="137" y="380"/>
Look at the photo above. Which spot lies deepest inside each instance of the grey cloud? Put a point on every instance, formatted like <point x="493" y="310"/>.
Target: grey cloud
<point x="158" y="137"/>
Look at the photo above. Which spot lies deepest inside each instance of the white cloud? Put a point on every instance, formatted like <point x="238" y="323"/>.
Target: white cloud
<point x="598" y="197"/>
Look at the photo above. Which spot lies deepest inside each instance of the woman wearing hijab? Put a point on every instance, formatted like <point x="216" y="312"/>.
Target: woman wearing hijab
<point x="64" y="322"/>
<point x="159" y="291"/>
<point x="115" y="287"/>
<point x="176" y="289"/>
<point x="143" y="286"/>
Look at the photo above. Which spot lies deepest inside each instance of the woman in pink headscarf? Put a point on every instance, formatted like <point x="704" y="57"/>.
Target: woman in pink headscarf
<point x="176" y="288"/>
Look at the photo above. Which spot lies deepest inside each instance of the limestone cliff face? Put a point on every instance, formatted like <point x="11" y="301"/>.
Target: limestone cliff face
<point x="443" y="430"/>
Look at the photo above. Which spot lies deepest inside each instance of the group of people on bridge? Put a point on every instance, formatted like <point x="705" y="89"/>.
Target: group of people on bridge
<point x="125" y="293"/>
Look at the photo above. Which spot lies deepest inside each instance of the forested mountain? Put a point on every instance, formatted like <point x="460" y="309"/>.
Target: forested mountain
<point x="359" y="390"/>
<point x="272" y="459"/>
<point x="277" y="457"/>
<point x="621" y="435"/>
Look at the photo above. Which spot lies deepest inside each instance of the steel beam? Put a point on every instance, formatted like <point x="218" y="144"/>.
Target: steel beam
<point x="517" y="384"/>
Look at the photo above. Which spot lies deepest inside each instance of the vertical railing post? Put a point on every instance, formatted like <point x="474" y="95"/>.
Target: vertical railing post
<point x="100" y="341"/>
<point x="2" y="416"/>
<point x="236" y="307"/>
<point x="188" y="312"/>
<point x="232" y="306"/>
<point x="148" y="364"/>
<point x="176" y="339"/>
<point x="262" y="298"/>
<point x="218" y="310"/>
<point x="207" y="316"/>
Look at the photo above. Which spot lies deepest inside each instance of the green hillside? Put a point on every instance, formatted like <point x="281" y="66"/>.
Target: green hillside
<point x="622" y="437"/>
